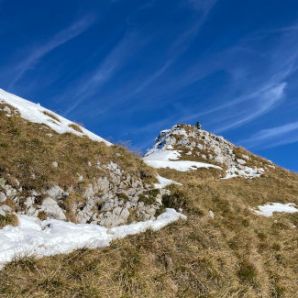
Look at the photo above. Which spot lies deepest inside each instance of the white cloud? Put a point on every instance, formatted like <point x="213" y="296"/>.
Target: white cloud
<point x="177" y="48"/>
<point x="58" y="40"/>
<point x="265" y="101"/>
<point x="104" y="71"/>
<point x="274" y="136"/>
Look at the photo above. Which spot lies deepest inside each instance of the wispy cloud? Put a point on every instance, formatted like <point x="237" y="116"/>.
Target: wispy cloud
<point x="273" y="137"/>
<point x="175" y="50"/>
<point x="58" y="40"/>
<point x="261" y="85"/>
<point x="93" y="82"/>
<point x="182" y="42"/>
<point x="265" y="101"/>
<point x="203" y="6"/>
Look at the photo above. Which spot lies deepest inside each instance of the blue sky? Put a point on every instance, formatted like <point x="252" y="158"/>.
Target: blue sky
<point x="127" y="69"/>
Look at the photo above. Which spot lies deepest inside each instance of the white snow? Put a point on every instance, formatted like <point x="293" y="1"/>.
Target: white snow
<point x="269" y="208"/>
<point x="45" y="238"/>
<point x="35" y="113"/>
<point x="164" y="182"/>
<point x="244" y="172"/>
<point x="163" y="155"/>
<point x="168" y="159"/>
<point x="180" y="165"/>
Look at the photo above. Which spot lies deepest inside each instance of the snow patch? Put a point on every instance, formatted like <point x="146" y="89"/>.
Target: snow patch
<point x="180" y="165"/>
<point x="269" y="208"/>
<point x="50" y="237"/>
<point x="164" y="182"/>
<point x="244" y="172"/>
<point x="168" y="159"/>
<point x="162" y="155"/>
<point x="37" y="114"/>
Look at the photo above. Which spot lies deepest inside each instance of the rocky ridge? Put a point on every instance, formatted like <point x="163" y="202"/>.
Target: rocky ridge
<point x="189" y="143"/>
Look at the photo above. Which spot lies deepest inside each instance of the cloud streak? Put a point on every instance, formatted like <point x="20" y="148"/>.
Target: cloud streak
<point x="58" y="40"/>
<point x="265" y="101"/>
<point x="177" y="48"/>
<point x="273" y="137"/>
<point x="203" y="6"/>
<point x="262" y="89"/>
<point x="106" y="69"/>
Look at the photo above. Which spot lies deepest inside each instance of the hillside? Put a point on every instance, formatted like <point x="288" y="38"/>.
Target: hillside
<point x="53" y="168"/>
<point x="239" y="238"/>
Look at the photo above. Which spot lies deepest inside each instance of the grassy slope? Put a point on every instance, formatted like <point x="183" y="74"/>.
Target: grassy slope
<point x="236" y="254"/>
<point x="28" y="151"/>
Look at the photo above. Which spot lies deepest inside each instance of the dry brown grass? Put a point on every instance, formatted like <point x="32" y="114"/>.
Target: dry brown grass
<point x="9" y="219"/>
<point x="55" y="118"/>
<point x="75" y="127"/>
<point x="253" y="161"/>
<point x="33" y="148"/>
<point x="236" y="254"/>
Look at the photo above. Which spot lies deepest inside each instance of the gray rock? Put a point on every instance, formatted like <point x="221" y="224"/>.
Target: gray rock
<point x="7" y="110"/>
<point x="55" y="164"/>
<point x="56" y="192"/>
<point x="4" y="210"/>
<point x="2" y="182"/>
<point x="211" y="214"/>
<point x="103" y="184"/>
<point x="2" y="197"/>
<point x="51" y="208"/>
<point x="89" y="192"/>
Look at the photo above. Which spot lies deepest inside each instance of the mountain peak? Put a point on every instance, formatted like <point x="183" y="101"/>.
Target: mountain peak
<point x="185" y="142"/>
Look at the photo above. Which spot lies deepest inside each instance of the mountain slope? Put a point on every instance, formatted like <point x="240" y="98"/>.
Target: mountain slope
<point x="51" y="167"/>
<point x="234" y="243"/>
<point x="37" y="114"/>
<point x="223" y="249"/>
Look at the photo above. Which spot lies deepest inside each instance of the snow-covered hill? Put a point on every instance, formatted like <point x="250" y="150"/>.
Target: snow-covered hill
<point x="62" y="187"/>
<point x="185" y="147"/>
<point x="52" y="168"/>
<point x="37" y="114"/>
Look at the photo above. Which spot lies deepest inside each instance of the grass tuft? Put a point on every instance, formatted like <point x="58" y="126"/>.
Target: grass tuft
<point x="9" y="219"/>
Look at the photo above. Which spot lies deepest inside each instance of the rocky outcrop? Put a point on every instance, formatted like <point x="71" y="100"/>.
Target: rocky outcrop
<point x="192" y="143"/>
<point x="51" y="167"/>
<point x="108" y="200"/>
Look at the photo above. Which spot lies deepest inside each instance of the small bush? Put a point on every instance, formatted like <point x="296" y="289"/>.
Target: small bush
<point x="149" y="197"/>
<point x="42" y="215"/>
<point x="247" y="273"/>
<point x="9" y="219"/>
<point x="27" y="263"/>
<point x="122" y="196"/>
<point x="176" y="199"/>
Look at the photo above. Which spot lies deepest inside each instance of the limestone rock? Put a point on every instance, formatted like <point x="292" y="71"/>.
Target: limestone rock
<point x="4" y="210"/>
<point x="52" y="209"/>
